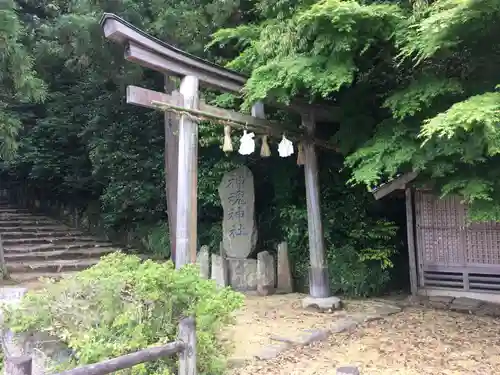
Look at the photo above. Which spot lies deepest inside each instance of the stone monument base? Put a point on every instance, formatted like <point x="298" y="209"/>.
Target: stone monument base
<point x="242" y="274"/>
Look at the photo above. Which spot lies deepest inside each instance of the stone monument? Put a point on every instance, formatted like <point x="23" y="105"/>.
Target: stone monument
<point x="239" y="231"/>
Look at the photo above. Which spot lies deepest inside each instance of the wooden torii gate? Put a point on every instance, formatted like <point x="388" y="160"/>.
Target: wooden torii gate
<point x="182" y="110"/>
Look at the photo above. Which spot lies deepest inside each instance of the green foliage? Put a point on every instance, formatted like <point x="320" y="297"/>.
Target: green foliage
<point x="122" y="305"/>
<point x="19" y="83"/>
<point x="312" y="52"/>
<point x="156" y="241"/>
<point x="419" y="95"/>
<point x="414" y="80"/>
<point x="478" y="113"/>
<point x="85" y="144"/>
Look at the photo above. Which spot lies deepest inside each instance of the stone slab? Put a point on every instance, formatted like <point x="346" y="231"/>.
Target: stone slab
<point x="266" y="275"/>
<point x="439" y="305"/>
<point x="284" y="277"/>
<point x="348" y="370"/>
<point x="219" y="271"/>
<point x="272" y="351"/>
<point x="239" y="232"/>
<point x="343" y="325"/>
<point x="463" y="309"/>
<point x="488" y="309"/>
<point x="328" y="304"/>
<point x="464" y="301"/>
<point x="242" y="274"/>
<point x="203" y="260"/>
<point x="418" y="300"/>
<point x="441" y="299"/>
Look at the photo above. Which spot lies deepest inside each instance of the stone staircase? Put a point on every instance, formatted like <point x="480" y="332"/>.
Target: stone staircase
<point x="37" y="246"/>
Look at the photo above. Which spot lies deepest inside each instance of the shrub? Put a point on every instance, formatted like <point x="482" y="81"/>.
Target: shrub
<point x="156" y="240"/>
<point x="122" y="305"/>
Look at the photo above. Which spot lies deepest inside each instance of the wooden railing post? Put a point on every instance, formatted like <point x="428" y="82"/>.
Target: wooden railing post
<point x="187" y="358"/>
<point x="18" y="365"/>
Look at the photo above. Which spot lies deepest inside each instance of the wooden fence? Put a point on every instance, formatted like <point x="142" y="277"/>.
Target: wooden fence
<point x="185" y="347"/>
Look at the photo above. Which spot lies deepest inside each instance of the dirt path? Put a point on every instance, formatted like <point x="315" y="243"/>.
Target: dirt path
<point x="413" y="342"/>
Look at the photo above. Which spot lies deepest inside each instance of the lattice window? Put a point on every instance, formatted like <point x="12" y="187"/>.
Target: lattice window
<point x="483" y="243"/>
<point x="441" y="224"/>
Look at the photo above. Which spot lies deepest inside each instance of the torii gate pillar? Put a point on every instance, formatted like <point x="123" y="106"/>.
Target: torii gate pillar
<point x="187" y="177"/>
<point x="319" y="284"/>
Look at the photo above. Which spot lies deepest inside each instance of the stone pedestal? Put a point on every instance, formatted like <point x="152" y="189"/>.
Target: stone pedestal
<point x="242" y="274"/>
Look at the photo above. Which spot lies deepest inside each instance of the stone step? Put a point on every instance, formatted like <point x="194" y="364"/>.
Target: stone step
<point x="58" y="254"/>
<point x="30" y="234"/>
<point x="46" y="240"/>
<point x="34" y="229"/>
<point x="51" y="247"/>
<point x="27" y="223"/>
<point x="31" y="280"/>
<point x="56" y="266"/>
<point x="21" y="214"/>
<point x="8" y="210"/>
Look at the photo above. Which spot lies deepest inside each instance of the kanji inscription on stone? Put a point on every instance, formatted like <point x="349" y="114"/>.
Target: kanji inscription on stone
<point x="237" y="195"/>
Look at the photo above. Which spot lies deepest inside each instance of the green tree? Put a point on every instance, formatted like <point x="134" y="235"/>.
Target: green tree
<point x="86" y="147"/>
<point x="19" y="84"/>
<point x="416" y="83"/>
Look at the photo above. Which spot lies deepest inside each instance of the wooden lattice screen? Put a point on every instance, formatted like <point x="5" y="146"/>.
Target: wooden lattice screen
<point x="451" y="252"/>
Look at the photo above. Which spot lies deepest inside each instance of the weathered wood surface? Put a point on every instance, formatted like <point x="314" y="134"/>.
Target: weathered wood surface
<point x="187" y="178"/>
<point x="185" y="346"/>
<point x="319" y="286"/>
<point x="169" y="59"/>
<point x="187" y="359"/>
<point x="143" y="56"/>
<point x="410" y="232"/>
<point x="171" y="163"/>
<point x="398" y="183"/>
<point x="128" y="360"/>
<point x="18" y="365"/>
<point x="152" y="99"/>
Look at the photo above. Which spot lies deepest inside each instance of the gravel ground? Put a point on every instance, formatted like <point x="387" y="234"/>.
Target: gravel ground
<point x="413" y="342"/>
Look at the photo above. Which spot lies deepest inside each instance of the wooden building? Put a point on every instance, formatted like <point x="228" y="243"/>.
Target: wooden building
<point x="448" y="255"/>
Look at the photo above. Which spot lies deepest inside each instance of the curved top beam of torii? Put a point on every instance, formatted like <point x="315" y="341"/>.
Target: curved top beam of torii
<point x="153" y="53"/>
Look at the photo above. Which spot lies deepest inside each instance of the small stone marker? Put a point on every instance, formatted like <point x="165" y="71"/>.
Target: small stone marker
<point x="348" y="370"/>
<point x="242" y="274"/>
<point x="204" y="262"/>
<point x="219" y="270"/>
<point x="265" y="273"/>
<point x="284" y="275"/>
<point x="239" y="233"/>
